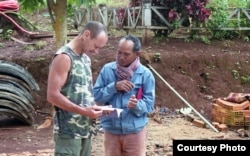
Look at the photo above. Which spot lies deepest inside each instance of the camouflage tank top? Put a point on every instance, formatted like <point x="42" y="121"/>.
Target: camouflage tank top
<point x="77" y="89"/>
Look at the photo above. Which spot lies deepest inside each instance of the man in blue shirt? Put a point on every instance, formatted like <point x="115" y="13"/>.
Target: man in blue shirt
<point x="126" y="84"/>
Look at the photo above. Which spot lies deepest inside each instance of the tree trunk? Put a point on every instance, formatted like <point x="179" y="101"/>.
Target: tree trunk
<point x="58" y="14"/>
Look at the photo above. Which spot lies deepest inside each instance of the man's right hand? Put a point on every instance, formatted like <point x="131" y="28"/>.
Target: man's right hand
<point x="124" y="85"/>
<point x="93" y="112"/>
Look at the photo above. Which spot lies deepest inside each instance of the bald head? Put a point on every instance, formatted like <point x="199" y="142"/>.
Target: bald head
<point x="95" y="28"/>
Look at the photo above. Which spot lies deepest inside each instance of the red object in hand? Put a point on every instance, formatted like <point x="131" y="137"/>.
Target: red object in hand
<point x="139" y="94"/>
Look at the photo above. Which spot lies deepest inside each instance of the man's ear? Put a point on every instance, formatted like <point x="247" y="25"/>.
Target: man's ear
<point x="138" y="53"/>
<point x="86" y="34"/>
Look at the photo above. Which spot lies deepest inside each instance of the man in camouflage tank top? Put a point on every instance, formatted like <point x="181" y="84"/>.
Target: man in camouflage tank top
<point x="70" y="91"/>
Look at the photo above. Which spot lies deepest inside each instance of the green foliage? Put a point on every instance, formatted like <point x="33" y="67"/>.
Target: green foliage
<point x="40" y="45"/>
<point x="175" y="24"/>
<point x="157" y="57"/>
<point x="31" y="5"/>
<point x="246" y="38"/>
<point x="1" y="45"/>
<point x="248" y="4"/>
<point x="238" y="3"/>
<point x="194" y="35"/>
<point x="205" y="39"/>
<point x="203" y="89"/>
<point x="87" y="3"/>
<point x="236" y="74"/>
<point x="245" y="79"/>
<point x="219" y="19"/>
<point x="6" y="34"/>
<point x="40" y="59"/>
<point x="113" y="3"/>
<point x="71" y="8"/>
<point x="29" y="47"/>
<point x="159" y="39"/>
<point x="186" y="39"/>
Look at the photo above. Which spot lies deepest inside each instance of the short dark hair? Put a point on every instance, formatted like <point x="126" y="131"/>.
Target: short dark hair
<point x="95" y="28"/>
<point x="135" y="40"/>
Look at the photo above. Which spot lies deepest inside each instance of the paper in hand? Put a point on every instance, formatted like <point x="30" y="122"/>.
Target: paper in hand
<point x="112" y="112"/>
<point x="115" y="113"/>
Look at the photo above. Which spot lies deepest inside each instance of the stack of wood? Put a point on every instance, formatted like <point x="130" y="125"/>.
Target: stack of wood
<point x="232" y="112"/>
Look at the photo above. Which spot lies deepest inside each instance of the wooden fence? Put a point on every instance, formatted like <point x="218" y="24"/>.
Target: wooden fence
<point x="152" y="18"/>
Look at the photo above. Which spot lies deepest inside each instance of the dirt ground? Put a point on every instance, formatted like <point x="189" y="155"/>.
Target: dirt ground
<point x="196" y="72"/>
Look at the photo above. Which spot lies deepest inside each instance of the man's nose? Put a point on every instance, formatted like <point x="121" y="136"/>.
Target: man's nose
<point x="121" y="56"/>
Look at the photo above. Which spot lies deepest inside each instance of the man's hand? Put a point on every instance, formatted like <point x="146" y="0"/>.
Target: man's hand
<point x="124" y="85"/>
<point x="105" y="109"/>
<point x="132" y="102"/>
<point x="94" y="112"/>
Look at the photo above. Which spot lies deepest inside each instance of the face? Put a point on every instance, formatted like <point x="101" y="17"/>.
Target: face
<point x="125" y="54"/>
<point x="93" y="45"/>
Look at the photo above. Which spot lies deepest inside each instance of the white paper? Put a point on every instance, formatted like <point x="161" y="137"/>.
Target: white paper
<point x="115" y="113"/>
<point x="111" y="112"/>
